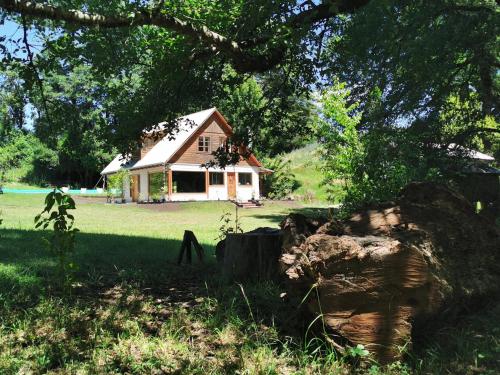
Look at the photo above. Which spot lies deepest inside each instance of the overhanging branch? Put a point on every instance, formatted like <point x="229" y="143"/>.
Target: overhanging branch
<point x="30" y="8"/>
<point x="239" y="52"/>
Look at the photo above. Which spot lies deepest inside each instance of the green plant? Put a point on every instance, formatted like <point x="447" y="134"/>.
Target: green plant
<point x="116" y="182"/>
<point x="341" y="147"/>
<point x="61" y="243"/>
<point x="227" y="226"/>
<point x="281" y="182"/>
<point x="156" y="185"/>
<point x="357" y="351"/>
<point x="373" y="163"/>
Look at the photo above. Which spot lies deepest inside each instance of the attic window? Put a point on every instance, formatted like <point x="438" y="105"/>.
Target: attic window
<point x="203" y="144"/>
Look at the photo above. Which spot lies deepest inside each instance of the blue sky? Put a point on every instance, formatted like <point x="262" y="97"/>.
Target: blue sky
<point x="13" y="31"/>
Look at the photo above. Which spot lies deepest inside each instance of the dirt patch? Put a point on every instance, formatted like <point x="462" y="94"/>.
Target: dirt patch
<point x="88" y="200"/>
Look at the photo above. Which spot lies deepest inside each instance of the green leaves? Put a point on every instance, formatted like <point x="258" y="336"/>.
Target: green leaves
<point x="281" y="183"/>
<point x="358" y="351"/>
<point x="341" y="148"/>
<point x="61" y="242"/>
<point x="116" y="181"/>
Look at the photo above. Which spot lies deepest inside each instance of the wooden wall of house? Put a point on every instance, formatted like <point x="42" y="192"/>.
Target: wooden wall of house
<point x="189" y="153"/>
<point x="147" y="144"/>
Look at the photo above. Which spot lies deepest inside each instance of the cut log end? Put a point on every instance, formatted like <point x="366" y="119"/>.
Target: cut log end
<point x="389" y="271"/>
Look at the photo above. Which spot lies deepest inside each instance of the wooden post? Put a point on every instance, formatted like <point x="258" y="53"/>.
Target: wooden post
<point x="165" y="182"/>
<point x="149" y="186"/>
<point x="189" y="240"/>
<point x="207" y="183"/>
<point x="169" y="184"/>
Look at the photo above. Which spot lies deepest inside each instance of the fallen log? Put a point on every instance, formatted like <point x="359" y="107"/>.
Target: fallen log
<point x="390" y="271"/>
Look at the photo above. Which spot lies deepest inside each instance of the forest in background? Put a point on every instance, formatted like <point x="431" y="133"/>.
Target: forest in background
<point x="384" y="105"/>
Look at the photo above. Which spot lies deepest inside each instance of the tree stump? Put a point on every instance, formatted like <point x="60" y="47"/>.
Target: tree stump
<point x="253" y="255"/>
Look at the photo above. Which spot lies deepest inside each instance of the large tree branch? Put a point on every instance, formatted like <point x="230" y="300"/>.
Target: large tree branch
<point x="30" y="8"/>
<point x="32" y="65"/>
<point x="324" y="11"/>
<point x="239" y="53"/>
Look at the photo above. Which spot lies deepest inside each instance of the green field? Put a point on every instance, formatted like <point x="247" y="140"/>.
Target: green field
<point x="133" y="310"/>
<point x="305" y="164"/>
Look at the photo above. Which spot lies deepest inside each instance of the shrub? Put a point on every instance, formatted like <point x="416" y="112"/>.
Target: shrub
<point x="281" y="183"/>
<point x="116" y="182"/>
<point x="24" y="157"/>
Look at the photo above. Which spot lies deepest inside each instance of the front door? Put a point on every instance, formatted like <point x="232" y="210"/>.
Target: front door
<point x="231" y="185"/>
<point x="134" y="187"/>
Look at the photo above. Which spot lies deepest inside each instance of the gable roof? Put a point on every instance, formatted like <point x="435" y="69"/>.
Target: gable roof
<point x="116" y="164"/>
<point x="165" y="148"/>
<point x="169" y="146"/>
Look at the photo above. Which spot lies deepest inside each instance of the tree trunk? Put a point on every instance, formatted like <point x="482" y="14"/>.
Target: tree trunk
<point x="394" y="270"/>
<point x="253" y="255"/>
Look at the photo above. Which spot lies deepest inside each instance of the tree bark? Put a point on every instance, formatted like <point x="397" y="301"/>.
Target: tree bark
<point x="253" y="255"/>
<point x="396" y="270"/>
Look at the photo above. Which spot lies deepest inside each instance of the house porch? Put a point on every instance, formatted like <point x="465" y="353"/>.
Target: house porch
<point x="184" y="182"/>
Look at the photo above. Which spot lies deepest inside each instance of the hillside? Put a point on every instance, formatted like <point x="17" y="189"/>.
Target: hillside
<point x="305" y="165"/>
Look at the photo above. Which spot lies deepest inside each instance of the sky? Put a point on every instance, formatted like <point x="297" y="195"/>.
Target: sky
<point x="12" y="31"/>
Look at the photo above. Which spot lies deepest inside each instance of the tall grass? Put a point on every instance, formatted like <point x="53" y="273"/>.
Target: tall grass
<point x="133" y="310"/>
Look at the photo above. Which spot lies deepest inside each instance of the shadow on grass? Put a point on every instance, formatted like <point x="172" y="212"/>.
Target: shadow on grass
<point x="133" y="297"/>
<point x="101" y="259"/>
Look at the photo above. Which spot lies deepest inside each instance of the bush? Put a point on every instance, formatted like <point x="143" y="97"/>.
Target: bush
<point x="23" y="157"/>
<point x="281" y="183"/>
<point x="115" y="183"/>
<point x="375" y="162"/>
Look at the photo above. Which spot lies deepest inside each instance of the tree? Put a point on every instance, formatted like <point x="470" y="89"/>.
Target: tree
<point x="374" y="165"/>
<point x="259" y="42"/>
<point x="155" y="61"/>
<point x="261" y="113"/>
<point x="420" y="55"/>
<point x="74" y="125"/>
<point x="281" y="182"/>
<point x="425" y="77"/>
<point x="341" y="148"/>
<point x="12" y="103"/>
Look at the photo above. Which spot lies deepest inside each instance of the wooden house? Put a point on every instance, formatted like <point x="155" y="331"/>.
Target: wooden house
<point x="173" y="168"/>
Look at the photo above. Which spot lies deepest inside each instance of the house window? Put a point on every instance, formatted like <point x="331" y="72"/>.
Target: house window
<point x="188" y="182"/>
<point x="216" y="178"/>
<point x="245" y="179"/>
<point x="203" y="144"/>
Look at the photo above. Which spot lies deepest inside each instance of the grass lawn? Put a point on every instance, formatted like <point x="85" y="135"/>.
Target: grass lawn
<point x="133" y="310"/>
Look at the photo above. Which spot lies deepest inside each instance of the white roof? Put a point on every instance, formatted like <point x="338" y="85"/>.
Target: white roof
<point x="473" y="154"/>
<point x="116" y="164"/>
<point x="479" y="155"/>
<point x="167" y="147"/>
